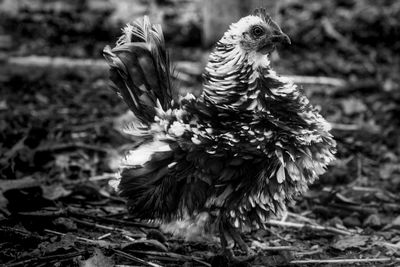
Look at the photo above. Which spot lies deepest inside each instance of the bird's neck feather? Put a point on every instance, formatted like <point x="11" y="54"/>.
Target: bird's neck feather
<point x="230" y="77"/>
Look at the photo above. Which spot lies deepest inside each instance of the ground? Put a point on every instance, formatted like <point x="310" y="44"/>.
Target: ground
<point x="60" y="138"/>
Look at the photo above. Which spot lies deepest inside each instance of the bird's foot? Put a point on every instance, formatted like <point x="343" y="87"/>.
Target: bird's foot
<point x="236" y="236"/>
<point x="228" y="253"/>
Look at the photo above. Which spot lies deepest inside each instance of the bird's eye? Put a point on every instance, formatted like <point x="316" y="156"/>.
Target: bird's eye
<point x="257" y="31"/>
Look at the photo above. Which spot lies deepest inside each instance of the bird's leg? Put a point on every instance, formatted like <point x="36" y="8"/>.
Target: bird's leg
<point x="238" y="239"/>
<point x="236" y="236"/>
<point x="224" y="242"/>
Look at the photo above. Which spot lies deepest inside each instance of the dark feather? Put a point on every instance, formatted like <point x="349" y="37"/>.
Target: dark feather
<point x="140" y="69"/>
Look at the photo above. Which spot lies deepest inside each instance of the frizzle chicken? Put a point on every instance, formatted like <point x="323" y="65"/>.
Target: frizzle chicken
<point x="240" y="152"/>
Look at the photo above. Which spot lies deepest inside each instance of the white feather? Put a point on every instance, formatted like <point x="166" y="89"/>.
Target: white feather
<point x="143" y="154"/>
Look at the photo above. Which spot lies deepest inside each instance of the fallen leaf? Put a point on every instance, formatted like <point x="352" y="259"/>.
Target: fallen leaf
<point x="66" y="242"/>
<point x="396" y="222"/>
<point x="97" y="260"/>
<point x="3" y="105"/>
<point x="64" y="224"/>
<point x="373" y="221"/>
<point x="353" y="106"/>
<point x="62" y="161"/>
<point x="347" y="242"/>
<point x="55" y="191"/>
<point x="5" y="185"/>
<point x="386" y="170"/>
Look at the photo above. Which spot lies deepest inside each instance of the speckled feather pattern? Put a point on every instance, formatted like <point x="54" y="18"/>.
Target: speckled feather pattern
<point x="241" y="151"/>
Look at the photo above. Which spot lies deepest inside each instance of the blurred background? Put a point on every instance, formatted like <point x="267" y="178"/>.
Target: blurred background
<point x="60" y="123"/>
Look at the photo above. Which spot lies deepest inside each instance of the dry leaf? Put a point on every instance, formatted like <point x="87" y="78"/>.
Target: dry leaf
<point x="347" y="242"/>
<point x="55" y="191"/>
<point x="97" y="260"/>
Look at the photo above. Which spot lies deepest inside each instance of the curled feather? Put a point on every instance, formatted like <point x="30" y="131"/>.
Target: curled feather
<point x="140" y="70"/>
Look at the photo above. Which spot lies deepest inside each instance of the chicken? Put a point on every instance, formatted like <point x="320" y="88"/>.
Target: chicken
<point x="240" y="152"/>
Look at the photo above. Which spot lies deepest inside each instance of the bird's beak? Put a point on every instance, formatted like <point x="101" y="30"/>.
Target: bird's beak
<point x="280" y="38"/>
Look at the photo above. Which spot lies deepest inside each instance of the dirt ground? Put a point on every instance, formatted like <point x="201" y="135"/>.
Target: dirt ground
<point x="60" y="138"/>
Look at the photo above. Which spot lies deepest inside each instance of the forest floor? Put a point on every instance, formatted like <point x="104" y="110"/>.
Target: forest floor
<point x="60" y="142"/>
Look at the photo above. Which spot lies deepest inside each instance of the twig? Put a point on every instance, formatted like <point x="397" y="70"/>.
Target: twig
<point x="284" y="216"/>
<point x="68" y="146"/>
<point x="351" y="207"/>
<point x="301" y="218"/>
<point x="366" y="189"/>
<point x="23" y="183"/>
<point x="138" y="260"/>
<point x="19" y="235"/>
<point x="342" y="261"/>
<point x="265" y="247"/>
<point x="172" y="255"/>
<point x="308" y="253"/>
<point x="104" y="227"/>
<point x="313" y="227"/>
<point x="103" y="236"/>
<point x="320" y="80"/>
<point x="45" y="258"/>
<point x="58" y="62"/>
<point x="277" y="235"/>
<point x="100" y="243"/>
<point x="112" y="220"/>
<point x="155" y="243"/>
<point x="345" y="127"/>
<point x="43" y="213"/>
<point x="104" y="176"/>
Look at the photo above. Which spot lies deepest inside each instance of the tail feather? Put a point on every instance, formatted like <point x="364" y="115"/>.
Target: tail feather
<point x="140" y="70"/>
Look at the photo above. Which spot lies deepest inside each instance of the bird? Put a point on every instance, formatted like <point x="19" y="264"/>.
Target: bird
<point x="240" y="152"/>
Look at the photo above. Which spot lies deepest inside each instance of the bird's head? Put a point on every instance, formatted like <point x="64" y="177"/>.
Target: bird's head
<point x="256" y="33"/>
<point x="240" y="59"/>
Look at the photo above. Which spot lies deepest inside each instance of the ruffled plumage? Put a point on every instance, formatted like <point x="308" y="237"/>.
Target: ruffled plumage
<point x="241" y="151"/>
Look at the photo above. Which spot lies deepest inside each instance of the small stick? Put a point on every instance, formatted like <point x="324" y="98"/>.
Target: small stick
<point x="366" y="189"/>
<point x="154" y="243"/>
<point x="320" y="80"/>
<point x="264" y="247"/>
<point x="104" y="176"/>
<point x="301" y="217"/>
<point x="58" y="62"/>
<point x="111" y="220"/>
<point x="342" y="261"/>
<point x="276" y="234"/>
<point x="68" y="146"/>
<point x="313" y="227"/>
<point x="100" y="243"/>
<point x="108" y="228"/>
<point x="345" y="127"/>
<point x="172" y="255"/>
<point x="308" y="253"/>
<point x="284" y="216"/>
<point x="136" y="259"/>
<point x="279" y="248"/>
<point x="352" y="207"/>
<point x="43" y="213"/>
<point x="45" y="258"/>
<point x="103" y="236"/>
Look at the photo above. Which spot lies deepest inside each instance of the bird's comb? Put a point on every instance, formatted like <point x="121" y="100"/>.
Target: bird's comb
<point x="262" y="13"/>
